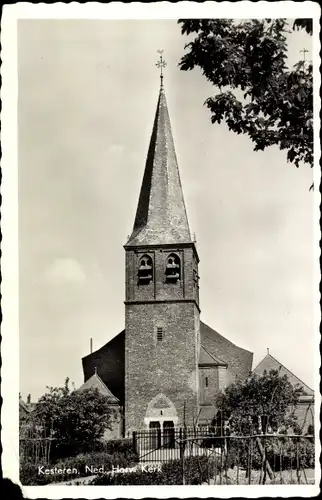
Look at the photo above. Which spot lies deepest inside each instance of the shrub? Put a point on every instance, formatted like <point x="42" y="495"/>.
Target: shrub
<point x="29" y="473"/>
<point x="197" y="471"/>
<point x="306" y="454"/>
<point x="93" y="459"/>
<point x="122" y="446"/>
<point x="281" y="453"/>
<point x="77" y="420"/>
<point x="132" y="478"/>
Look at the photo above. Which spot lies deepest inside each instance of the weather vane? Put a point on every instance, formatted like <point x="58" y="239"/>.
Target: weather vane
<point x="161" y="64"/>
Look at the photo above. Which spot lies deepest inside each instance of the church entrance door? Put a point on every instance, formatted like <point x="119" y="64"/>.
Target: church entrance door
<point x="155" y="436"/>
<point x="168" y="434"/>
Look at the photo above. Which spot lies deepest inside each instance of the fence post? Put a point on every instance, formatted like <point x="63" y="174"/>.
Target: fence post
<point x="248" y="459"/>
<point x="134" y="440"/>
<point x="262" y="453"/>
<point x="265" y="465"/>
<point x="226" y="459"/>
<point x="298" y="461"/>
<point x="182" y="447"/>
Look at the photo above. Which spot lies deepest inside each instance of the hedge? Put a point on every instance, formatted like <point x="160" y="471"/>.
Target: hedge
<point x="123" y="446"/>
<point x="30" y="475"/>
<point x="198" y="470"/>
<point x="281" y="453"/>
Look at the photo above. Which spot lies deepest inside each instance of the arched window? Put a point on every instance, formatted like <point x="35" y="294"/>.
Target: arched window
<point x="145" y="272"/>
<point x="173" y="270"/>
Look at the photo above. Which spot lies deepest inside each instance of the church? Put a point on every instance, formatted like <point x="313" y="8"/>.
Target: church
<point x="166" y="367"/>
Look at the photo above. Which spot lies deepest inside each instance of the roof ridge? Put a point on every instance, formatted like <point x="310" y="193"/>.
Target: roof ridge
<point x="103" y="385"/>
<point x="224" y="338"/>
<point x="269" y="354"/>
<point x="24" y="405"/>
<point x="213" y="356"/>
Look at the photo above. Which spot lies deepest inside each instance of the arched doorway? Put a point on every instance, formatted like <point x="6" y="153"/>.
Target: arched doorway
<point x="160" y="409"/>
<point x="161" y="416"/>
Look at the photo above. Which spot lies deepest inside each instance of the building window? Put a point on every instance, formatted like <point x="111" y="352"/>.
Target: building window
<point x="159" y="334"/>
<point x="173" y="271"/>
<point x="206" y="381"/>
<point x="145" y="272"/>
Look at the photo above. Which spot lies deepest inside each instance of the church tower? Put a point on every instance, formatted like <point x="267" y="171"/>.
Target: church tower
<point x="162" y="325"/>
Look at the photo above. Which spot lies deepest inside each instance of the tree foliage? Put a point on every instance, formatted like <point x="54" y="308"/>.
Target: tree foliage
<point x="75" y="419"/>
<point x="258" y="94"/>
<point x="306" y="24"/>
<point x="270" y="397"/>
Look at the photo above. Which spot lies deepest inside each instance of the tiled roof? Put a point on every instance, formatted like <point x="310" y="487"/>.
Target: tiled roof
<point x="207" y="358"/>
<point x="270" y="363"/>
<point x="215" y="350"/>
<point x="109" y="361"/>
<point x="95" y="382"/>
<point x="238" y="360"/>
<point x="206" y="333"/>
<point x="161" y="214"/>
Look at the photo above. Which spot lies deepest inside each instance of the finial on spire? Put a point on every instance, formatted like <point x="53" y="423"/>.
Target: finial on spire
<point x="161" y="64"/>
<point x="95" y="370"/>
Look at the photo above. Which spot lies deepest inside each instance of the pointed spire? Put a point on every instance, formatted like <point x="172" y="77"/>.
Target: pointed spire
<point x="161" y="214"/>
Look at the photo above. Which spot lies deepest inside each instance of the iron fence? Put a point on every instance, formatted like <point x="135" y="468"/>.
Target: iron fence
<point x="228" y="459"/>
<point x="163" y="445"/>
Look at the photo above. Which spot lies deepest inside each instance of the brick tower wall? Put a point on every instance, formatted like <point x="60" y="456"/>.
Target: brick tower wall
<point x="168" y="367"/>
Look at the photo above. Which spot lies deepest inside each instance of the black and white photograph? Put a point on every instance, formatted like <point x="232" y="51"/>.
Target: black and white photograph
<point x="161" y="249"/>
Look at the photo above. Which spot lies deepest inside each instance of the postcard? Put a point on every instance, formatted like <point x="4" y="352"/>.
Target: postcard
<point x="160" y="251"/>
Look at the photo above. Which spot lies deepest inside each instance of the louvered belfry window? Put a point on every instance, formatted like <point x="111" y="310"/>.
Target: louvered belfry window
<point x="172" y="271"/>
<point x="159" y="334"/>
<point x="145" y="272"/>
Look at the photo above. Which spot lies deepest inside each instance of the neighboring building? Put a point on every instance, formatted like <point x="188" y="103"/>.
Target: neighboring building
<point x="24" y="410"/>
<point x="26" y="407"/>
<point x="166" y="366"/>
<point x="26" y="427"/>
<point x="305" y="410"/>
<point x="95" y="382"/>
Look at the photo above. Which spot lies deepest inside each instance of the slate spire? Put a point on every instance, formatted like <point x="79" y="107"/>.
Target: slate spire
<point x="161" y="214"/>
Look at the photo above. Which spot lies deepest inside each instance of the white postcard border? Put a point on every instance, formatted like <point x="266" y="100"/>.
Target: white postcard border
<point x="9" y="263"/>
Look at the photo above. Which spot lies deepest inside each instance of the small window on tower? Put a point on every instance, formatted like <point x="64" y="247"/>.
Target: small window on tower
<point x="145" y="272"/>
<point x="206" y="381"/>
<point x="173" y="271"/>
<point x="159" y="334"/>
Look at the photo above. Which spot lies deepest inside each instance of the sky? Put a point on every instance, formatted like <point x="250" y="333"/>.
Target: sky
<point x="87" y="94"/>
